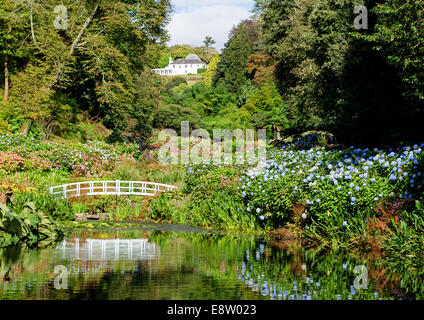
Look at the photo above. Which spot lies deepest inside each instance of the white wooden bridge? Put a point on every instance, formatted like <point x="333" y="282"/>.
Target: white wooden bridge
<point x="108" y="249"/>
<point x="119" y="188"/>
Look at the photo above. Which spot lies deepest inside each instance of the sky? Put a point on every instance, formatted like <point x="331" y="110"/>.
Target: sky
<point x="192" y="20"/>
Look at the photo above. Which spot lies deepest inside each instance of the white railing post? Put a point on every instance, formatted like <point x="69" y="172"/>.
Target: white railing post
<point x="64" y="192"/>
<point x="118" y="186"/>
<point x="91" y="187"/>
<point x="104" y="187"/>
<point x="78" y="190"/>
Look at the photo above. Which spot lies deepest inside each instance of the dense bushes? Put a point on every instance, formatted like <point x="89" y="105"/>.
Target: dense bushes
<point x="174" y="82"/>
<point x="220" y="210"/>
<point x="52" y="206"/>
<point x="171" y="116"/>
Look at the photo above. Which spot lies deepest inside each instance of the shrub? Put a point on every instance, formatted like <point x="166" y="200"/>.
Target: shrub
<point x="174" y="82"/>
<point x="11" y="162"/>
<point x="171" y="116"/>
<point x="54" y="207"/>
<point x="4" y="127"/>
<point x="127" y="170"/>
<point x="29" y="225"/>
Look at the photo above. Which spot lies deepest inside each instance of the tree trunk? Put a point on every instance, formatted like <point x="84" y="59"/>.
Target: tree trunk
<point x="6" y="78"/>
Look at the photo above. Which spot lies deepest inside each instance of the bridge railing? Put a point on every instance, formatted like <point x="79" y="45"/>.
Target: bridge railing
<point x="92" y="188"/>
<point x="107" y="249"/>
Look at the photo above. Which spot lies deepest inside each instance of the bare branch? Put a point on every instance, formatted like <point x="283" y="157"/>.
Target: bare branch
<point x="32" y="30"/>
<point x="84" y="27"/>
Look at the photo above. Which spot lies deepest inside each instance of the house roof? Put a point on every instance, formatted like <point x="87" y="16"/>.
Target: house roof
<point x="191" y="59"/>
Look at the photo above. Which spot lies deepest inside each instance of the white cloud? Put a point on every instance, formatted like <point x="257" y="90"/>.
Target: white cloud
<point x="191" y="27"/>
<point x="180" y="4"/>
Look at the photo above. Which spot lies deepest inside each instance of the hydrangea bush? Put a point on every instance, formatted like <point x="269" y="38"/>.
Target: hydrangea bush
<point x="333" y="189"/>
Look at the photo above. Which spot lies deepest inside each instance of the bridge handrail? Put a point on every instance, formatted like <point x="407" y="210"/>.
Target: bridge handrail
<point x="117" y="188"/>
<point x="114" y="181"/>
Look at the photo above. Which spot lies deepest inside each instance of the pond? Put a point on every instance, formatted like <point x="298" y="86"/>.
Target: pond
<point x="168" y="262"/>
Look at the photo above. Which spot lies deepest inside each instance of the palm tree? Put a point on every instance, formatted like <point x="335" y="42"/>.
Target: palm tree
<point x="209" y="42"/>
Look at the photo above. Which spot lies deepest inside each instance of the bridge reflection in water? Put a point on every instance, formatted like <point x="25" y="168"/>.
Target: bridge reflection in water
<point x="107" y="250"/>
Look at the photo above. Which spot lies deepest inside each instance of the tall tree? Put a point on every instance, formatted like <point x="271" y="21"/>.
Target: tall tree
<point x="399" y="36"/>
<point x="91" y="51"/>
<point x="232" y="67"/>
<point x="331" y="79"/>
<point x="12" y="43"/>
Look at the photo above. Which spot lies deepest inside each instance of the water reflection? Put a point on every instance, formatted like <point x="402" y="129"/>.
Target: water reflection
<point x="153" y="264"/>
<point x="107" y="249"/>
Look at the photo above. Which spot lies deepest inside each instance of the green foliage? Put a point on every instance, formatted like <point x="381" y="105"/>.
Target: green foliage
<point x="171" y="116"/>
<point x="399" y="36"/>
<point x="331" y="78"/>
<point x="52" y="206"/>
<point x="405" y="248"/>
<point x="209" y="41"/>
<point x="232" y="67"/>
<point x="97" y="64"/>
<point x="210" y="72"/>
<point x="206" y="178"/>
<point x="4" y="127"/>
<point x="174" y="82"/>
<point x="220" y="210"/>
<point x="268" y="106"/>
<point x="29" y="225"/>
<point x="163" y="60"/>
<point x="127" y="171"/>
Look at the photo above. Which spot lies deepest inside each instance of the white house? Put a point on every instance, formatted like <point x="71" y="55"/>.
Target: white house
<point x="189" y="65"/>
